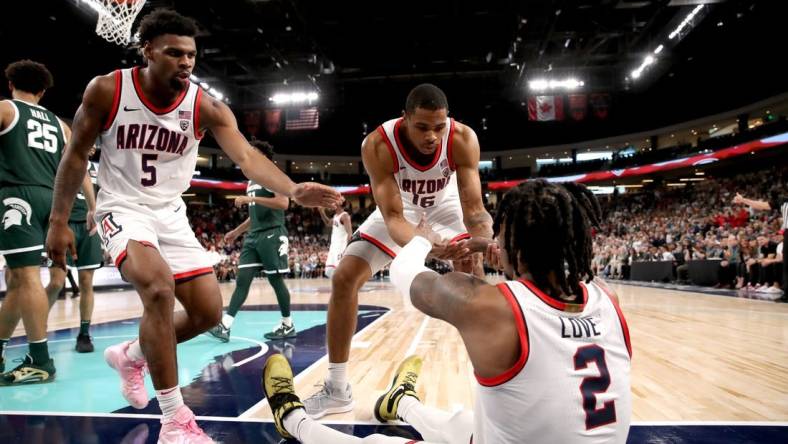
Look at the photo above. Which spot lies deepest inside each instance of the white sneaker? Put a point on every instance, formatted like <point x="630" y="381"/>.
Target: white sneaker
<point x="329" y="400"/>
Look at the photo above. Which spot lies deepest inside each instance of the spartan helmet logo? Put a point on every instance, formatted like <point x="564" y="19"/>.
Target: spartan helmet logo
<point x="16" y="209"/>
<point x="284" y="245"/>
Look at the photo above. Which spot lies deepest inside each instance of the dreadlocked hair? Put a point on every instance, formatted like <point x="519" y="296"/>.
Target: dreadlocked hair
<point x="547" y="228"/>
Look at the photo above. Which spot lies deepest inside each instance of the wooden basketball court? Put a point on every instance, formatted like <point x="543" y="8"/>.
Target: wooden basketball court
<point x="696" y="357"/>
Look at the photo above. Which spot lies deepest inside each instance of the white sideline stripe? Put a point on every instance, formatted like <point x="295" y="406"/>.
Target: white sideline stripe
<point x="262" y="345"/>
<point x="355" y="422"/>
<point x="306" y="371"/>
<point x="24" y="344"/>
<point x="417" y="339"/>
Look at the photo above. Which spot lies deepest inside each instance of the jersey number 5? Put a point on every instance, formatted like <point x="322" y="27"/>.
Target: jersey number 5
<point x="591" y="385"/>
<point x="150" y="169"/>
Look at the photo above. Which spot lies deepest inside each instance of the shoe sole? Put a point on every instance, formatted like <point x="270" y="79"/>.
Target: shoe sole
<point x="46" y="381"/>
<point x="333" y="410"/>
<point x="379" y="402"/>
<point x="280" y="337"/>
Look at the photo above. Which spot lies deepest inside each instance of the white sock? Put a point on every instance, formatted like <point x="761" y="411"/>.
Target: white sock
<point x="135" y="351"/>
<point x="287" y="321"/>
<point x="337" y="375"/>
<point x="435" y="425"/>
<point x="227" y="320"/>
<point x="170" y="401"/>
<point x="309" y="431"/>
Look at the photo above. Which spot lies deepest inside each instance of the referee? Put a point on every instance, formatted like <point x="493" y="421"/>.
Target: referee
<point x="778" y="200"/>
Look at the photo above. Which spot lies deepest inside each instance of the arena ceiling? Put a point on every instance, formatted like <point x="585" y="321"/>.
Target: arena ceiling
<point x="363" y="57"/>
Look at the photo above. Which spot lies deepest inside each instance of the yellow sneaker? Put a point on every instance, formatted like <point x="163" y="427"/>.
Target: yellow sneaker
<point x="404" y="383"/>
<point x="280" y="392"/>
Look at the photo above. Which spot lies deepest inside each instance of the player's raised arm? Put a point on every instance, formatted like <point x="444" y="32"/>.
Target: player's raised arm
<point x="87" y="124"/>
<point x="475" y="308"/>
<point x="380" y="168"/>
<point x="466" y="158"/>
<point x="218" y="118"/>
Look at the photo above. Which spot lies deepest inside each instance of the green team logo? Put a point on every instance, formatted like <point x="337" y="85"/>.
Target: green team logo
<point x="17" y="209"/>
<point x="284" y="245"/>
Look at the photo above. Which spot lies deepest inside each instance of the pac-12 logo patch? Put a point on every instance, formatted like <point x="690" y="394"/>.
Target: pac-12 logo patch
<point x="109" y="227"/>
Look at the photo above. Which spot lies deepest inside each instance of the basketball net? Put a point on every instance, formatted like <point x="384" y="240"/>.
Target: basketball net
<point x="115" y="18"/>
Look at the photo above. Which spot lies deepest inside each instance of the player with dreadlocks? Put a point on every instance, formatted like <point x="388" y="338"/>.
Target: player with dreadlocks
<point x="550" y="347"/>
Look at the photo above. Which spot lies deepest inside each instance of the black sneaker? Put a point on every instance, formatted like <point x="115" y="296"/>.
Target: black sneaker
<point x="84" y="344"/>
<point x="29" y="373"/>
<point x="282" y="332"/>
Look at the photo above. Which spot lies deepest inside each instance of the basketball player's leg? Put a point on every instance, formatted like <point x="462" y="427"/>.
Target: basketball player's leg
<point x="249" y="265"/>
<point x="26" y="213"/>
<point x="57" y="280"/>
<point x="202" y="303"/>
<point x="290" y="418"/>
<point x="354" y="269"/>
<point x="26" y="299"/>
<point x="272" y="248"/>
<point x="89" y="259"/>
<point x="436" y="425"/>
<point x="145" y="268"/>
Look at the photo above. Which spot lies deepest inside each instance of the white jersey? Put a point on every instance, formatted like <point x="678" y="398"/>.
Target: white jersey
<point x="148" y="154"/>
<point x="571" y="383"/>
<point x="421" y="187"/>
<point x="339" y="240"/>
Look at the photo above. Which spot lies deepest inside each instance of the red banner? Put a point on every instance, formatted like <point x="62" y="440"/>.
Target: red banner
<point x="578" y="106"/>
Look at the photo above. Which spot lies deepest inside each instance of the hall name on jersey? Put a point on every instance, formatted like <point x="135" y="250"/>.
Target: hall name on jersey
<point x="427" y="186"/>
<point x="40" y="115"/>
<point x="150" y="137"/>
<point x="586" y="327"/>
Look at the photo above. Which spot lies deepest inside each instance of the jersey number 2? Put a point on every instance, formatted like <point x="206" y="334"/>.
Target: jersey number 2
<point x="150" y="169"/>
<point x="591" y="385"/>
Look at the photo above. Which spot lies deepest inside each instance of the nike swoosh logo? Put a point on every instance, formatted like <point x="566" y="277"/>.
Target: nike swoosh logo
<point x="177" y="209"/>
<point x="127" y="109"/>
<point x="269" y="237"/>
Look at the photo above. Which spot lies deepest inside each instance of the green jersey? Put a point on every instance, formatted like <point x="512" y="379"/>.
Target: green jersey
<point x="79" y="212"/>
<point x="263" y="218"/>
<point x="31" y="147"/>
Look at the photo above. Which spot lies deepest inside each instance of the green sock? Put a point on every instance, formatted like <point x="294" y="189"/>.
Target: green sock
<point x="39" y="351"/>
<point x="242" y="284"/>
<point x="84" y="328"/>
<point x="282" y="293"/>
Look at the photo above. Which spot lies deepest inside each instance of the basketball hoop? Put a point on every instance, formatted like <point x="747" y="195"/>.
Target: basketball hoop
<point x="115" y="18"/>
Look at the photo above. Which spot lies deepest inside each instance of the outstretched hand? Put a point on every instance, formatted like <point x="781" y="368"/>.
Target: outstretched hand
<point x="312" y="194"/>
<point x="738" y="198"/>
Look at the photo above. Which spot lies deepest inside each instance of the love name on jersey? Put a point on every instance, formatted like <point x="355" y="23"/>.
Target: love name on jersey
<point x="579" y="327"/>
<point x="150" y="137"/>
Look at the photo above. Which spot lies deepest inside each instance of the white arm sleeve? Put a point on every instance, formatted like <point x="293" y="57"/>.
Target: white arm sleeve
<point x="409" y="263"/>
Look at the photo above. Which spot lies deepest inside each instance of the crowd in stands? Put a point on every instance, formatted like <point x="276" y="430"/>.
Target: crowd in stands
<point x="309" y="237"/>
<point x="696" y="222"/>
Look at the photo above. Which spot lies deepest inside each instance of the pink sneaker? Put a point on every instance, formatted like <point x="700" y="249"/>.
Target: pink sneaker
<point x="182" y="429"/>
<point x="132" y="374"/>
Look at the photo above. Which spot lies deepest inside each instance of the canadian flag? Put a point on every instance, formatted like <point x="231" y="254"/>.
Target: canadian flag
<point x="543" y="108"/>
